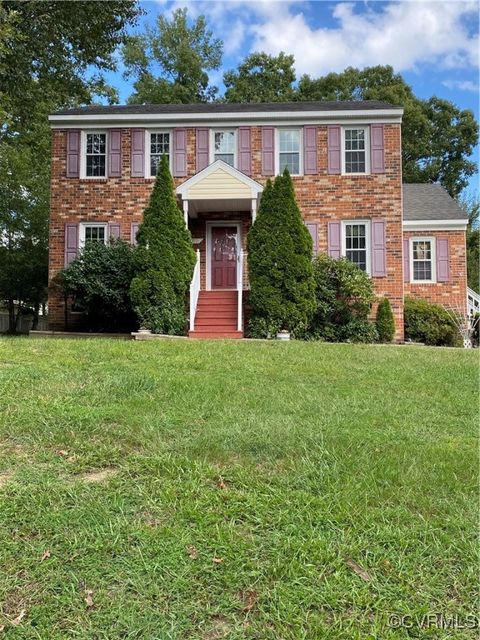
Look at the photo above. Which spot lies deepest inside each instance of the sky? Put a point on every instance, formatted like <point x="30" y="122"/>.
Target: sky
<point x="433" y="44"/>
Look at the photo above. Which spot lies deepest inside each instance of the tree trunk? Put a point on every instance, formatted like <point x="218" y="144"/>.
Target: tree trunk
<point x="36" y="309"/>
<point x="12" y="322"/>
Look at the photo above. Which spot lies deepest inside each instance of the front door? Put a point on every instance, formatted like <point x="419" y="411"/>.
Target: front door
<point x="224" y="257"/>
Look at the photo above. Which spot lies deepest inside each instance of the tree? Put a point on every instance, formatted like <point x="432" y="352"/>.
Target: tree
<point x="261" y="78"/>
<point x="471" y="206"/>
<point x="437" y="137"/>
<point x="170" y="62"/>
<point x="385" y="322"/>
<point x="99" y="281"/>
<point x="282" y="289"/>
<point x="164" y="260"/>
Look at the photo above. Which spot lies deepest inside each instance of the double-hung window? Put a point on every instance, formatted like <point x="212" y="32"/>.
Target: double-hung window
<point x="95" y="155"/>
<point x="289" y="150"/>
<point x="159" y="146"/>
<point x="423" y="259"/>
<point x="356" y="243"/>
<point x="224" y="146"/>
<point x="93" y="232"/>
<point x="355" y="145"/>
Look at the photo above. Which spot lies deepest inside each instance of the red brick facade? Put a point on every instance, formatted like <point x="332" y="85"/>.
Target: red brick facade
<point x="321" y="198"/>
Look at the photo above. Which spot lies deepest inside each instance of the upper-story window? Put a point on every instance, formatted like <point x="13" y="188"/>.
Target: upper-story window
<point x="95" y="155"/>
<point x="354" y="156"/>
<point x="356" y="243"/>
<point x="93" y="232"/>
<point x="159" y="146"/>
<point x="289" y="150"/>
<point x="224" y="146"/>
<point x="423" y="263"/>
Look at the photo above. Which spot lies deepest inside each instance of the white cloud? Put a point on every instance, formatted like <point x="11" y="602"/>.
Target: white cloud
<point x="462" y="85"/>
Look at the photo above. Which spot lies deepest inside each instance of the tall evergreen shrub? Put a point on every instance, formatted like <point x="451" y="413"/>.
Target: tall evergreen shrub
<point x="164" y="261"/>
<point x="282" y="287"/>
<point x="384" y="321"/>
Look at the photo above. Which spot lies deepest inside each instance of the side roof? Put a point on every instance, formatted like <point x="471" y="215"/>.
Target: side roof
<point x="429" y="202"/>
<point x="223" y="112"/>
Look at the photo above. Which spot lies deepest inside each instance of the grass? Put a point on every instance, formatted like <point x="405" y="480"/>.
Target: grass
<point x="205" y="490"/>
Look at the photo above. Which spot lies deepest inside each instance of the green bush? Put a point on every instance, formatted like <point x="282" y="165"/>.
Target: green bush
<point x="164" y="261"/>
<point x="99" y="280"/>
<point x="344" y="298"/>
<point x="429" y="323"/>
<point x="385" y="322"/>
<point x="282" y="289"/>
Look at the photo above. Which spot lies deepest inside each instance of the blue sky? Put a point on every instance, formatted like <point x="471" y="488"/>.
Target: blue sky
<point x="434" y="44"/>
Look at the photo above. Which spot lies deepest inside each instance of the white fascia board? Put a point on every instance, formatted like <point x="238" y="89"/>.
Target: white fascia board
<point x="234" y="118"/>
<point x="435" y="225"/>
<point x="256" y="188"/>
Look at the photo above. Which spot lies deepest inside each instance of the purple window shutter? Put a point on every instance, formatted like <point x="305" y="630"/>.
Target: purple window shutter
<point x="313" y="231"/>
<point x="334" y="239"/>
<point x="115" y="153"/>
<point x="268" y="151"/>
<point x="71" y="243"/>
<point x="379" y="251"/>
<point x="179" y="153"/>
<point x="73" y="153"/>
<point x="134" y="231"/>
<point x="138" y="153"/>
<point x="406" y="260"/>
<point x="334" y="142"/>
<point x="203" y="159"/>
<point x="245" y="150"/>
<point x="377" y="152"/>
<point x="309" y="150"/>
<point x="443" y="260"/>
<point x="113" y="231"/>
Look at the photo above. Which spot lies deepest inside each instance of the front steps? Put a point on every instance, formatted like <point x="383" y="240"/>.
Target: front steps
<point x="216" y="315"/>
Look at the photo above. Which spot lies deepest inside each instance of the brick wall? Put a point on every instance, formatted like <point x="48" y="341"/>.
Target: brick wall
<point x="454" y="292"/>
<point x="321" y="198"/>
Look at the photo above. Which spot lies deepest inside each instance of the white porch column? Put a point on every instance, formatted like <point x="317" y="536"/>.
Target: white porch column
<point x="254" y="209"/>
<point x="185" y="212"/>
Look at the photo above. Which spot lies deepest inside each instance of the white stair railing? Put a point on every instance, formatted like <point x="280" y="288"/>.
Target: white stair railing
<point x="473" y="302"/>
<point x="194" y="291"/>
<point x="240" y="291"/>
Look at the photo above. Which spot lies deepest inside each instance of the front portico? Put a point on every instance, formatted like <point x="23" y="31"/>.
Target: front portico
<point x="220" y="205"/>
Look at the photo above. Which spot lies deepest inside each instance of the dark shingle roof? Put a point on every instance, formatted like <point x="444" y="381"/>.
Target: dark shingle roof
<point x="220" y="107"/>
<point x="429" y="202"/>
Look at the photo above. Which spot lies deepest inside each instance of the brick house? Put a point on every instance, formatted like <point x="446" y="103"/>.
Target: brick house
<point x="345" y="160"/>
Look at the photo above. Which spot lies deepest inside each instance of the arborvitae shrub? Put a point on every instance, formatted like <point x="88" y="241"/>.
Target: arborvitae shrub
<point x="282" y="289"/>
<point x="164" y="261"/>
<point x="385" y="321"/>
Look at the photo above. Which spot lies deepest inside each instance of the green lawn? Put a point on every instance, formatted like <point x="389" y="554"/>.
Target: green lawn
<point x="240" y="479"/>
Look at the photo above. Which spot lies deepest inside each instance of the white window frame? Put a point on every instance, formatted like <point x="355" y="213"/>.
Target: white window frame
<point x="433" y="258"/>
<point x="148" y="174"/>
<point x="83" y="154"/>
<point x="367" y="241"/>
<point x="366" y="129"/>
<point x="235" y="143"/>
<point x="82" y="228"/>
<point x="300" y="149"/>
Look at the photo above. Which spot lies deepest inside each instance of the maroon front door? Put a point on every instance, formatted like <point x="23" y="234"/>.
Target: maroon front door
<point x="224" y="257"/>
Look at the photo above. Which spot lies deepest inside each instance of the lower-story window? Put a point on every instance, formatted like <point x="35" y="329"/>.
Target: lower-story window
<point x="356" y="243"/>
<point x="93" y="232"/>
<point x="422" y="256"/>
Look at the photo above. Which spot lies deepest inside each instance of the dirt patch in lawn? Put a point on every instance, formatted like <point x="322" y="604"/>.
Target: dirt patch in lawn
<point x="98" y="475"/>
<point x="5" y="476"/>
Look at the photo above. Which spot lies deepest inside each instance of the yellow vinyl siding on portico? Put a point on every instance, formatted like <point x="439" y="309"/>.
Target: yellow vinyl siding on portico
<point x="219" y="185"/>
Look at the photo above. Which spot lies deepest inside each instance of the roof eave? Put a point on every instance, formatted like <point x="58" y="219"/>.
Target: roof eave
<point x="453" y="224"/>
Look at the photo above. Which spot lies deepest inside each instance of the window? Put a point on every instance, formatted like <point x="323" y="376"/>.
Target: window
<point x="159" y="146"/>
<point x="355" y="157"/>
<point x="224" y="146"/>
<point x="356" y="243"/>
<point x="95" y="156"/>
<point x="93" y="232"/>
<point x="422" y="257"/>
<point x="289" y="150"/>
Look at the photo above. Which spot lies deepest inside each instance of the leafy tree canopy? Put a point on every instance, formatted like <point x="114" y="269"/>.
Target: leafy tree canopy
<point x="170" y="61"/>
<point x="261" y="78"/>
<point x="471" y="206"/>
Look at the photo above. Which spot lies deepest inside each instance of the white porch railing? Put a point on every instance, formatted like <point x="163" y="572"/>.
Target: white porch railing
<point x="473" y="302"/>
<point x="194" y="291"/>
<point x="240" y="291"/>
